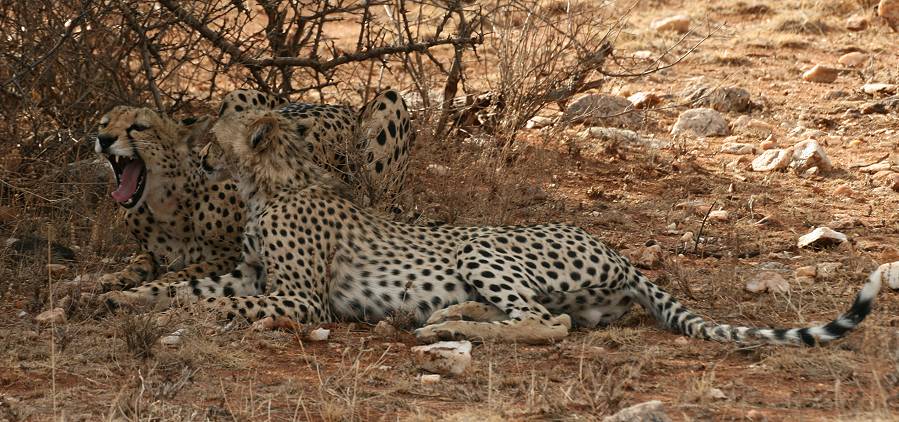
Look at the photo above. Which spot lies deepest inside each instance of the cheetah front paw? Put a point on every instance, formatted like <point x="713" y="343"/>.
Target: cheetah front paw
<point x="434" y="332"/>
<point x="121" y="299"/>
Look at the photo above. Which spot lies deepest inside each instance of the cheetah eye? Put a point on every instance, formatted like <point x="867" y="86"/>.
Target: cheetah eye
<point x="138" y="127"/>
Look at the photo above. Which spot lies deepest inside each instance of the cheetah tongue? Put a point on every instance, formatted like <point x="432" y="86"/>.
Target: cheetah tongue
<point x="128" y="181"/>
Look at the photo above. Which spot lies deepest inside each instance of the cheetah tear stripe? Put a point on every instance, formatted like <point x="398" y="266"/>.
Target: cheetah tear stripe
<point x="676" y="317"/>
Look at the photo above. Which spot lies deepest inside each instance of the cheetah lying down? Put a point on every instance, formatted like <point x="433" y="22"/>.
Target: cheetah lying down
<point x="314" y="256"/>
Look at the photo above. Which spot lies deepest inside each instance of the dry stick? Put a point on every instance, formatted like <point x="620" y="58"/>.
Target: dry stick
<point x="240" y="56"/>
<point x="145" y="57"/>
<point x="702" y="226"/>
<point x="52" y="322"/>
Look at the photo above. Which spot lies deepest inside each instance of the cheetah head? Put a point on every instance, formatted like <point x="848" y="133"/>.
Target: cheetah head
<point x="275" y="149"/>
<point x="144" y="148"/>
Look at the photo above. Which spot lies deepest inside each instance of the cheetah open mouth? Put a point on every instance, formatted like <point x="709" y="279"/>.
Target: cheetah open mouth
<point x="130" y="175"/>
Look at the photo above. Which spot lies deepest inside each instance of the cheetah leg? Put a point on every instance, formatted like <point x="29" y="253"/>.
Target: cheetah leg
<point x="244" y="281"/>
<point x="142" y="267"/>
<point x="528" y="331"/>
<point x="309" y="308"/>
<point x="471" y="310"/>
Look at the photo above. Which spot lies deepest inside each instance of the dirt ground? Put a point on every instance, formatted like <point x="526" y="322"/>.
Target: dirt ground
<point x="626" y="193"/>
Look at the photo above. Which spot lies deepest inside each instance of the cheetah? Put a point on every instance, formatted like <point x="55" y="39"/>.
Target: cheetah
<point x="189" y="223"/>
<point x="370" y="155"/>
<point x="314" y="256"/>
<point x="186" y="225"/>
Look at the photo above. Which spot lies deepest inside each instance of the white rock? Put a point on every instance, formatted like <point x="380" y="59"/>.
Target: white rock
<point x="843" y="190"/>
<point x="171" y="340"/>
<point x="651" y="411"/>
<point x="678" y="23"/>
<point x="52" y="316"/>
<point x="876" y="167"/>
<point x="642" y="54"/>
<point x="444" y="357"/>
<point x="687" y="237"/>
<point x="22" y="314"/>
<point x="319" y="334"/>
<point x="770" y="281"/>
<point x="890" y="273"/>
<point x="602" y="110"/>
<point x="725" y="99"/>
<point x="718" y="215"/>
<point x="887" y="179"/>
<point x="853" y="59"/>
<point x="879" y="88"/>
<point x="809" y="271"/>
<point x="438" y="169"/>
<point x="737" y="148"/>
<point x="716" y="394"/>
<point x="772" y="159"/>
<point x="611" y="134"/>
<point x="702" y="122"/>
<point x="821" y="73"/>
<point x="821" y="237"/>
<point x="429" y="378"/>
<point x="643" y="100"/>
<point x="538" y="122"/>
<point x="808" y="154"/>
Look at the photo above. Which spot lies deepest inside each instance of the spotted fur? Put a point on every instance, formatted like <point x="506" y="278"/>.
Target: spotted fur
<point x="314" y="256"/>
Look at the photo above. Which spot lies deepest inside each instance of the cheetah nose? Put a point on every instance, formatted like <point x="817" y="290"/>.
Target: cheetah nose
<point x="105" y="140"/>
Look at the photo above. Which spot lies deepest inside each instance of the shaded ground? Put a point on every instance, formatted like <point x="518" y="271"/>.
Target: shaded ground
<point x="626" y="194"/>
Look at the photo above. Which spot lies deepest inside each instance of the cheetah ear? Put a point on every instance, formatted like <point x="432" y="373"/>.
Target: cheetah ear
<point x="262" y="132"/>
<point x="193" y="129"/>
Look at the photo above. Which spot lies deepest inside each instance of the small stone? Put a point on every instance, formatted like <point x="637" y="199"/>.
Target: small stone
<point x="737" y="148"/>
<point x="52" y="316"/>
<point x="444" y="357"/>
<point x="651" y="411"/>
<point x="438" y="169"/>
<point x="718" y="215"/>
<point x="821" y="237"/>
<point x="611" y="134"/>
<point x="701" y="122"/>
<point x="642" y="54"/>
<point x="678" y="23"/>
<point x="755" y="415"/>
<point x="687" y="237"/>
<point x="808" y="154"/>
<point x="170" y="341"/>
<point x="768" y="144"/>
<point x="827" y="270"/>
<point x="716" y="394"/>
<point x="319" y="334"/>
<point x="725" y="99"/>
<point x="384" y="329"/>
<point x="876" y="167"/>
<point x="645" y="257"/>
<point x="275" y="323"/>
<point x="890" y="273"/>
<point x="22" y="314"/>
<point x="887" y="179"/>
<point x="889" y="11"/>
<point x="772" y="159"/>
<point x="681" y="341"/>
<point x="753" y="127"/>
<point x="853" y="59"/>
<point x="538" y="122"/>
<point x="429" y="378"/>
<point x="644" y="100"/>
<point x="843" y="190"/>
<point x="809" y="271"/>
<point x="767" y="281"/>
<point x="857" y="23"/>
<point x="602" y="110"/>
<point x="821" y="73"/>
<point x="879" y="88"/>
<point x="671" y="228"/>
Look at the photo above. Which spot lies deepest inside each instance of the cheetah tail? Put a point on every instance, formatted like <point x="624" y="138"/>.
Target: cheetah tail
<point x="678" y="318"/>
